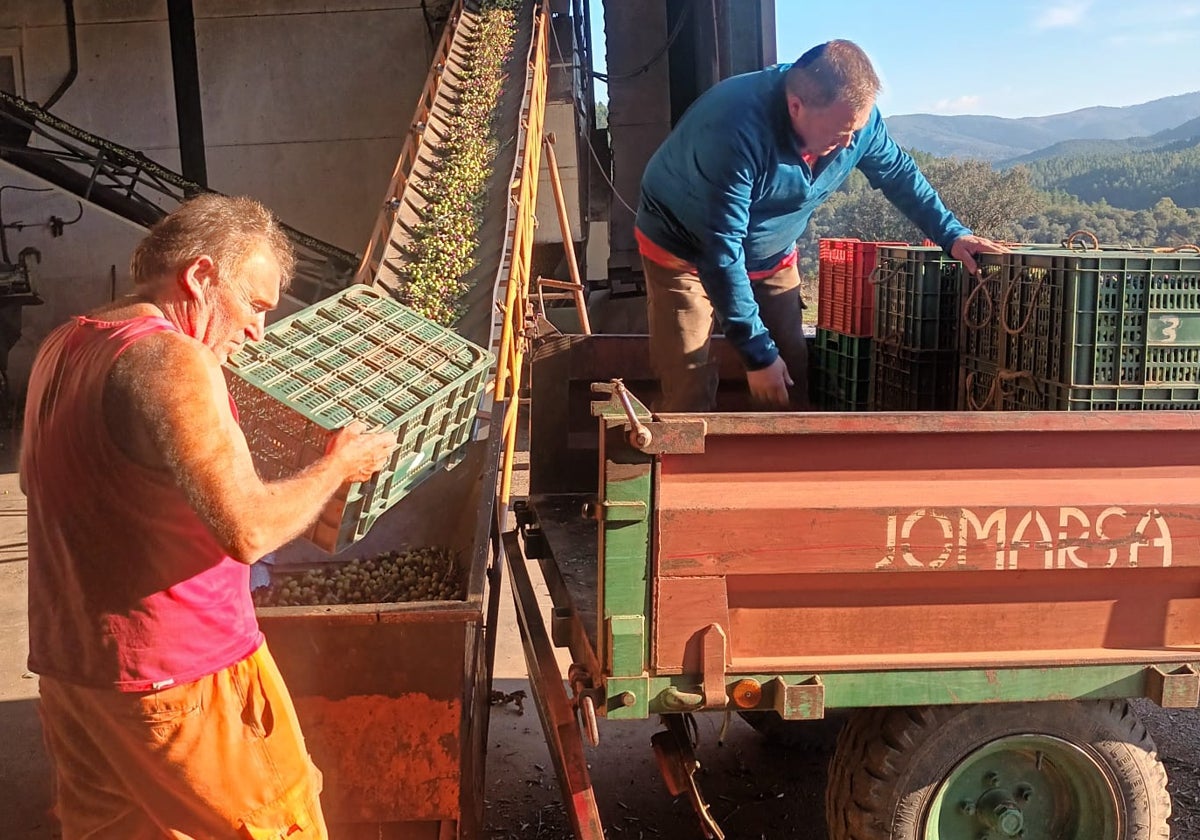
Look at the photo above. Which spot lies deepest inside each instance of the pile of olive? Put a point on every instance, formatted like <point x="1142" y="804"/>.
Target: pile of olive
<point x="423" y="574"/>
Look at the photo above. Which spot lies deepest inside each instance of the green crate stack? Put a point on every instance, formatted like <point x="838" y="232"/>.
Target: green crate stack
<point x="913" y="380"/>
<point x="984" y="387"/>
<point x="915" y="341"/>
<point x="1010" y="335"/>
<point x="842" y="371"/>
<point x="358" y="355"/>
<point x="1092" y="330"/>
<point x="916" y="298"/>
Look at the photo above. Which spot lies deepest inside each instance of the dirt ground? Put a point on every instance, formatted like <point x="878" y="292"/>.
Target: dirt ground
<point x="756" y="789"/>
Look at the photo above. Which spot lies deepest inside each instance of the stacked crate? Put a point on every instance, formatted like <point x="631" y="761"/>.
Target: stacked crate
<point x="845" y="307"/>
<point x="843" y="371"/>
<point x="358" y="355"/>
<point x="1056" y="329"/>
<point x="914" y="359"/>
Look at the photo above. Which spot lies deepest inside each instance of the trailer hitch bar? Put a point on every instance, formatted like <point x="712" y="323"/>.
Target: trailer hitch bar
<point x="639" y="434"/>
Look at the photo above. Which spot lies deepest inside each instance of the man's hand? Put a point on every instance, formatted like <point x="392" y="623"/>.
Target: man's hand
<point x="360" y="453"/>
<point x="965" y="248"/>
<point x="769" y="386"/>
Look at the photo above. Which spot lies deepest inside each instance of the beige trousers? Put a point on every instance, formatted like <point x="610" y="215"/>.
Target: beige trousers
<point x="681" y="324"/>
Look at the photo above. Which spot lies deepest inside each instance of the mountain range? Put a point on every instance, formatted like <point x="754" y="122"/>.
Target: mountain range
<point x="1004" y="140"/>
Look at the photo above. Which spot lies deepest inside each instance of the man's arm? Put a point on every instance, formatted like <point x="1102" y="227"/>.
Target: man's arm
<point x="725" y="173"/>
<point x="167" y="406"/>
<point x="893" y="171"/>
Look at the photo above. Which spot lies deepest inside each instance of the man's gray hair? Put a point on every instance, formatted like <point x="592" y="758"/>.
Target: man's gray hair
<point x="831" y="72"/>
<point x="226" y="228"/>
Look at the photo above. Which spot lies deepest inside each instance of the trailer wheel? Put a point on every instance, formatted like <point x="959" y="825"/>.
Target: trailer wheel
<point x="1058" y="771"/>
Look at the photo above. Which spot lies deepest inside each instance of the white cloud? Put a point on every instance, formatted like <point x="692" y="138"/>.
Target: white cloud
<point x="1064" y="15"/>
<point x="1148" y="15"/>
<point x="957" y="105"/>
<point x="1166" y="37"/>
<point x="1172" y="11"/>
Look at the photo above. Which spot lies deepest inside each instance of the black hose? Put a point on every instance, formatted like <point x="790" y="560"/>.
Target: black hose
<point x="73" y="47"/>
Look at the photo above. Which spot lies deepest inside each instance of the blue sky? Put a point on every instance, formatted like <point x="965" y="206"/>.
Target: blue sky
<point x="1010" y="59"/>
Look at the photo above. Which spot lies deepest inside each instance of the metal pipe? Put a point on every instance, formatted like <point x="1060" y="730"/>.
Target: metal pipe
<point x="770" y="53"/>
<point x="639" y="435"/>
<point x="73" y="51"/>
<point x="189" y="116"/>
<point x="718" y="59"/>
<point x="564" y="224"/>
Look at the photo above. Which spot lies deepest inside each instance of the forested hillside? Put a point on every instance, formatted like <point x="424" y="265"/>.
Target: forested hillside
<point x="1187" y="132"/>
<point x="1008" y="205"/>
<point x="1134" y="180"/>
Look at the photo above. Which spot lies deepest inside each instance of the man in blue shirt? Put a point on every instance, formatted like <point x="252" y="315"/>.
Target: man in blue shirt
<point x="729" y="192"/>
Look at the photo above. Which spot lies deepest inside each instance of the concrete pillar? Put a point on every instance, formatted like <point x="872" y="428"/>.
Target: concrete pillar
<point x="751" y="33"/>
<point x="719" y="38"/>
<point x="639" y="111"/>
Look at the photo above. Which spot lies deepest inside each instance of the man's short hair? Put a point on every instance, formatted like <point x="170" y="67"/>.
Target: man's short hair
<point x="833" y="71"/>
<point x="226" y="228"/>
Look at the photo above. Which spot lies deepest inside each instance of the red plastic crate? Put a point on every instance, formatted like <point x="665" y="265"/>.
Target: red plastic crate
<point x="833" y="255"/>
<point x="845" y="298"/>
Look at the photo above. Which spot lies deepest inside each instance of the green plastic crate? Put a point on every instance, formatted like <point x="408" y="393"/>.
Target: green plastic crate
<point x="843" y="371"/>
<point x="1018" y="392"/>
<point x="913" y="380"/>
<point x="358" y="355"/>
<point x="917" y="298"/>
<point x="1131" y="318"/>
<point x="1125" y="398"/>
<point x="1013" y="316"/>
<point x="982" y="387"/>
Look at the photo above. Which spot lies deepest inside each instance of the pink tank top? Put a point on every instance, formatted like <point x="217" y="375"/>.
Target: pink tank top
<point x="128" y="588"/>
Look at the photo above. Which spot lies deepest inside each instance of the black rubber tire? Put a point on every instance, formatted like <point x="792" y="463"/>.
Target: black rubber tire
<point x="889" y="763"/>
<point x="797" y="734"/>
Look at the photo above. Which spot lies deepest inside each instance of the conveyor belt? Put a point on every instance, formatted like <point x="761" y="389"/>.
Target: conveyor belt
<point x="134" y="188"/>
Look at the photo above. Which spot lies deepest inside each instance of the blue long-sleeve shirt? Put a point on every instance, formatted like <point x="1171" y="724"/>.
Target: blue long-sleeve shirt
<point x="729" y="192"/>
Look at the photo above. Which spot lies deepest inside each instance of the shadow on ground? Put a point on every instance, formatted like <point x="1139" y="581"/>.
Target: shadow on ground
<point x="24" y="774"/>
<point x="755" y="788"/>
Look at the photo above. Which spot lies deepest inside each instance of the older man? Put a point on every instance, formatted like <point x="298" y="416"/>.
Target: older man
<point x="729" y="192"/>
<point x="162" y="708"/>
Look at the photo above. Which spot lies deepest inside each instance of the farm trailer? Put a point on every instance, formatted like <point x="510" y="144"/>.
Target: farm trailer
<point x="983" y="593"/>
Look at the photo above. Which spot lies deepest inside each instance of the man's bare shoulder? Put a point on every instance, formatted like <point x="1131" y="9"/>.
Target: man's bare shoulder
<point x="164" y="373"/>
<point x="166" y="360"/>
<point x="165" y="394"/>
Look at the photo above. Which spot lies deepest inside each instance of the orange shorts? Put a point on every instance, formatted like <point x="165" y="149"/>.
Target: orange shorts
<point x="221" y="757"/>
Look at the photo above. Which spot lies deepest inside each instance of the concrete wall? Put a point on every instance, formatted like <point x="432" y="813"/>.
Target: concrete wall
<point x="305" y="104"/>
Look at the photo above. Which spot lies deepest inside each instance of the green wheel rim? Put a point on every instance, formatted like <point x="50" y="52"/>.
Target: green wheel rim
<point x="1035" y="787"/>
